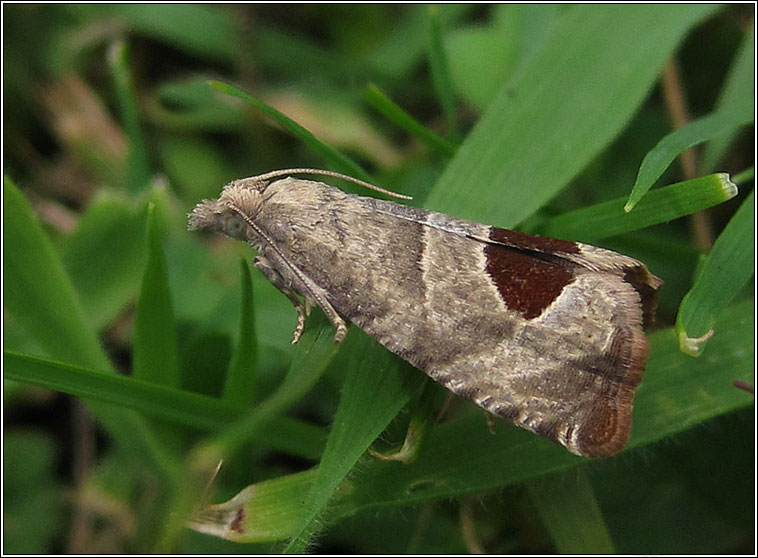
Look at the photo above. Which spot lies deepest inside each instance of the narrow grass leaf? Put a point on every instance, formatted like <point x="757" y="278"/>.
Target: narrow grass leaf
<point x="377" y="386"/>
<point x="312" y="355"/>
<point x="566" y="504"/>
<point x="738" y="91"/>
<point x="659" y="206"/>
<point x="559" y="112"/>
<point x="676" y="394"/>
<point x="338" y="160"/>
<point x="440" y="71"/>
<point x="381" y="102"/>
<point x="138" y="161"/>
<point x="112" y="233"/>
<point x="239" y="389"/>
<point x="726" y="270"/>
<point x="663" y="154"/>
<point x="155" y="357"/>
<point x="181" y="407"/>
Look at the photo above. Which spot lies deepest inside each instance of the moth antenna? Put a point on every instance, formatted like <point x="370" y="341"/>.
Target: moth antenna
<point x="288" y="172"/>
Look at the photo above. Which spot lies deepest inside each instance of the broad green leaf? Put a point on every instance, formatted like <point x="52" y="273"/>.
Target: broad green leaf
<point x="659" y="206"/>
<point x="483" y="57"/>
<point x="377" y="386"/>
<point x="179" y="406"/>
<point x="239" y="389"/>
<point x="155" y="356"/>
<point x="728" y="267"/>
<point x="737" y="91"/>
<point x="662" y="155"/>
<point x="566" y="504"/>
<point x="552" y="118"/>
<point x="112" y="233"/>
<point x="341" y="162"/>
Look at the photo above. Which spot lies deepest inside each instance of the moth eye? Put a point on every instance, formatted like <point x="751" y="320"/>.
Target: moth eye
<point x="235" y="227"/>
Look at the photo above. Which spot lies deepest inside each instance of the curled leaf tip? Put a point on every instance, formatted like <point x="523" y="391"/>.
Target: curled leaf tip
<point x="693" y="346"/>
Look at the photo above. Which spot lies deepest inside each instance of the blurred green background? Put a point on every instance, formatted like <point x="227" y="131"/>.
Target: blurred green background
<point x="112" y="134"/>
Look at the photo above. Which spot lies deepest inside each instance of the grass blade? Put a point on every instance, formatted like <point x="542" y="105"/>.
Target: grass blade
<point x="550" y="121"/>
<point x="313" y="354"/>
<point x="567" y="507"/>
<point x="341" y="162"/>
<point x="378" y="385"/>
<point x="737" y="91"/>
<point x="659" y="206"/>
<point x="381" y="102"/>
<point x="139" y="161"/>
<point x="440" y="70"/>
<point x="155" y="356"/>
<point x="726" y="270"/>
<point x="239" y="389"/>
<point x="182" y="407"/>
<point x="661" y="156"/>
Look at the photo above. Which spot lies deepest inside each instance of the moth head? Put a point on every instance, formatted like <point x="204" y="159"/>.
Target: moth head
<point x="232" y="213"/>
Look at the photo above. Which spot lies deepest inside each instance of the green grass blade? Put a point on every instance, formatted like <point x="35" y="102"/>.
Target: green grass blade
<point x="738" y="91"/>
<point x="381" y="102"/>
<point x="338" y="160"/>
<point x="139" y="160"/>
<point x="112" y="233"/>
<point x="239" y="388"/>
<point x="677" y="393"/>
<point x="663" y="154"/>
<point x="377" y="386"/>
<point x="728" y="267"/>
<point x="440" y="70"/>
<point x="559" y="112"/>
<point x="182" y="407"/>
<point x="659" y="206"/>
<point x="568" y="509"/>
<point x="313" y="354"/>
<point x="155" y="356"/>
<point x="37" y="291"/>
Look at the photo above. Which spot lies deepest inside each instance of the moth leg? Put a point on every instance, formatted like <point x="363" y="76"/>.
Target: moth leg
<point x="276" y="279"/>
<point x="287" y="287"/>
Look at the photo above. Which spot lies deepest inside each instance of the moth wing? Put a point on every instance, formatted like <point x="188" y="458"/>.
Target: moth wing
<point x="546" y="335"/>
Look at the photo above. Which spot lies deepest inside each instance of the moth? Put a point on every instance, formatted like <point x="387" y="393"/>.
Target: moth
<point x="546" y="333"/>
